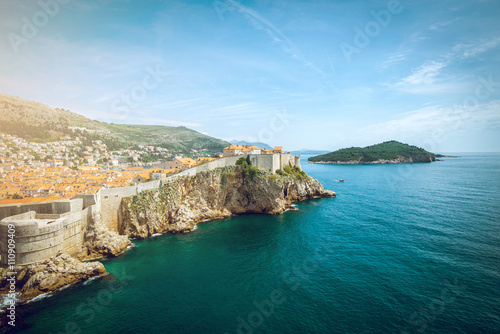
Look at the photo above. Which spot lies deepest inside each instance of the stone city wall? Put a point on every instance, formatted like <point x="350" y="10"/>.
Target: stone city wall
<point x="43" y="229"/>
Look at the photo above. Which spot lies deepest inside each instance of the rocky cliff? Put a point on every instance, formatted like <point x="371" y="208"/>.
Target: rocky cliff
<point x="219" y="193"/>
<point x="100" y="242"/>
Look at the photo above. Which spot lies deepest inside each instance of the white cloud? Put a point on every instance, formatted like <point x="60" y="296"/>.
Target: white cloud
<point x="261" y="23"/>
<point x="475" y="49"/>
<point x="438" y="26"/>
<point x="395" y="58"/>
<point x="428" y="77"/>
<point x="424" y="75"/>
<point x="428" y="120"/>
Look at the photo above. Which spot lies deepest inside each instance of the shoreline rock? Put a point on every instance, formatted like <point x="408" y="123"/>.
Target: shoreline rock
<point x="51" y="275"/>
<point x="100" y="242"/>
<point x="400" y="160"/>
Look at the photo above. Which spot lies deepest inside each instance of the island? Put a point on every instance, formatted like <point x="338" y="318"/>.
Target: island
<point x="389" y="152"/>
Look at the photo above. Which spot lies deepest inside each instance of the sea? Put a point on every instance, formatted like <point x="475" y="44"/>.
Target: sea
<point x="411" y="248"/>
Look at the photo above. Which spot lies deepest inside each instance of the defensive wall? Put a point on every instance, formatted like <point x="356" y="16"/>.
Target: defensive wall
<point x="110" y="199"/>
<point x="271" y="162"/>
<point x="43" y="229"/>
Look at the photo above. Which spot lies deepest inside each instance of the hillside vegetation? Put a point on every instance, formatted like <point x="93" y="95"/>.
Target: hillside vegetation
<point x="390" y="150"/>
<point x="35" y="121"/>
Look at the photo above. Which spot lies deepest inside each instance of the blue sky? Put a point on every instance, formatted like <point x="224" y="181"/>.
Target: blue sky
<point x="321" y="74"/>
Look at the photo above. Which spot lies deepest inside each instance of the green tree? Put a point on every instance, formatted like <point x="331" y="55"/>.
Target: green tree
<point x="250" y="171"/>
<point x="242" y="162"/>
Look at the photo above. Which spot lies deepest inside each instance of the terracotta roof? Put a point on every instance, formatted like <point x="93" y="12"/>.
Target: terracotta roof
<point x="186" y="160"/>
<point x="245" y="148"/>
<point x="234" y="147"/>
<point x="29" y="200"/>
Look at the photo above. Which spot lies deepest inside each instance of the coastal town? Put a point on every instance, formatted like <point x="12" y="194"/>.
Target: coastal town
<point x="36" y="172"/>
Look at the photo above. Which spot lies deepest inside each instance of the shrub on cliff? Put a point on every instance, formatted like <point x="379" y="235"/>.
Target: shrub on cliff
<point x="293" y="171"/>
<point x="249" y="170"/>
<point x="244" y="161"/>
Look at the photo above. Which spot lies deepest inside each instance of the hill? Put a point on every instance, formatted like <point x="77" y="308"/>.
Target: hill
<point x="258" y="144"/>
<point x="38" y="122"/>
<point x="387" y="152"/>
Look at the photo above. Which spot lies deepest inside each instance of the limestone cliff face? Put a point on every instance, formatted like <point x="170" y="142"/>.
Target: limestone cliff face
<point x="100" y="242"/>
<point x="219" y="193"/>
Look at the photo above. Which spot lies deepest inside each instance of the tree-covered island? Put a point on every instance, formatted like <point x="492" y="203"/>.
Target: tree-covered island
<point x="389" y="152"/>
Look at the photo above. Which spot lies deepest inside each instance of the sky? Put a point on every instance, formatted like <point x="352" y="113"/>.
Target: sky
<point x="320" y="74"/>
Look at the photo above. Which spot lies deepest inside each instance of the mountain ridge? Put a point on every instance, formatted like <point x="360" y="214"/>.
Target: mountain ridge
<point x="35" y="121"/>
<point x="258" y="144"/>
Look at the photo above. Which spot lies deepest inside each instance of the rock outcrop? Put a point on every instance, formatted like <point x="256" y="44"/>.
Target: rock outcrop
<point x="54" y="274"/>
<point x="219" y="193"/>
<point x="100" y="242"/>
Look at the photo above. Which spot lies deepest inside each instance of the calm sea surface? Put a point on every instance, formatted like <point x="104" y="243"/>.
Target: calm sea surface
<point x="402" y="249"/>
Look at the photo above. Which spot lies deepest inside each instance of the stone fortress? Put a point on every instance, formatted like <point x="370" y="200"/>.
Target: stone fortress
<point x="44" y="229"/>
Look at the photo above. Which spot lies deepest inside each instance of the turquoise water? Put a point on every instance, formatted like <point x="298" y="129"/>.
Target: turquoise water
<point x="402" y="249"/>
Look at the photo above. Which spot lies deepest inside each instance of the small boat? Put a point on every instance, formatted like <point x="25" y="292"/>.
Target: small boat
<point x="341" y="180"/>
